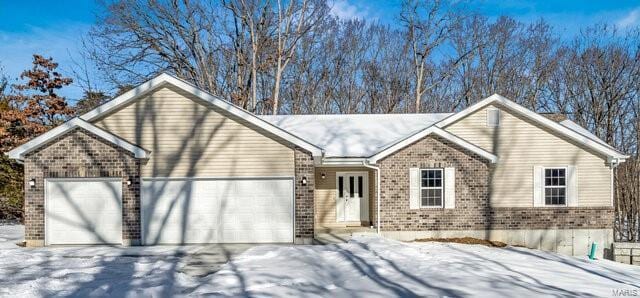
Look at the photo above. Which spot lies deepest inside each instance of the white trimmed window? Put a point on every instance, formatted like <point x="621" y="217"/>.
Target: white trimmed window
<point x="431" y="188"/>
<point x="555" y="186"/>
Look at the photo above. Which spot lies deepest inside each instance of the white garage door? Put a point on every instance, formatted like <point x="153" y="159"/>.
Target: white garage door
<point x="83" y="211"/>
<point x="217" y="211"/>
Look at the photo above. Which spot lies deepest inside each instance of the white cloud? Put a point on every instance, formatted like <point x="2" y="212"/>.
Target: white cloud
<point x="345" y="10"/>
<point x="631" y="19"/>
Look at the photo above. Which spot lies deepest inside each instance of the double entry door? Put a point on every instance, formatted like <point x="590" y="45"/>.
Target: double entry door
<point x="352" y="196"/>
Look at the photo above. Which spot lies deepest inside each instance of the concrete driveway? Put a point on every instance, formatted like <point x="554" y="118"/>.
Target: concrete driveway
<point x="194" y="260"/>
<point x="208" y="259"/>
<point x="81" y="271"/>
<point x="365" y="266"/>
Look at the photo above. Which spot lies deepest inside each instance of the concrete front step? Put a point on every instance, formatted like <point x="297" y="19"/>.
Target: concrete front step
<point x="344" y="230"/>
<point x="327" y="238"/>
<point x="340" y="235"/>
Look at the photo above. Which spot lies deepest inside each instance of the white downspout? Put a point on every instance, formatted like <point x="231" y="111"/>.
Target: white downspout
<point x="615" y="162"/>
<point x="377" y="169"/>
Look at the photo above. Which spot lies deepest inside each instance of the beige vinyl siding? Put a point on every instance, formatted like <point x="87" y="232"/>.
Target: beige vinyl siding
<point x="325" y="195"/>
<point x="520" y="144"/>
<point x="188" y="139"/>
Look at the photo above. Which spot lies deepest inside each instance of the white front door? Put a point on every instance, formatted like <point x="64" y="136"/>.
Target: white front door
<point x="351" y="196"/>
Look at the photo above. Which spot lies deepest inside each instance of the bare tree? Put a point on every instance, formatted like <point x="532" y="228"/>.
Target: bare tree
<point x="387" y="72"/>
<point x="428" y="25"/>
<point x="306" y="90"/>
<point x="134" y="40"/>
<point x="254" y="16"/>
<point x="600" y="75"/>
<point x="506" y="57"/>
<point x="293" y="22"/>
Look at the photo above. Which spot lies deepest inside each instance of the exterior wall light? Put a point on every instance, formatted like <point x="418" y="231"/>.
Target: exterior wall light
<point x="129" y="181"/>
<point x="323" y="176"/>
<point x="304" y="181"/>
<point x="32" y="182"/>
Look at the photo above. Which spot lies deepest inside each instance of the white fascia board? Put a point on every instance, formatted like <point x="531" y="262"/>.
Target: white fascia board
<point x="437" y="131"/>
<point x="342" y="161"/>
<point x="468" y="111"/>
<point x="124" y="98"/>
<point x="544" y="121"/>
<point x="19" y="152"/>
<point x="205" y="96"/>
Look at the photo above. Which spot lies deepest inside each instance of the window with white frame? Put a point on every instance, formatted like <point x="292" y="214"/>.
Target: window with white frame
<point x="431" y="187"/>
<point x="555" y="186"/>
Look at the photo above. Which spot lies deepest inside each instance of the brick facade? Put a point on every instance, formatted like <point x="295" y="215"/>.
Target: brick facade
<point x="473" y="210"/>
<point x="304" y="196"/>
<point x="80" y="154"/>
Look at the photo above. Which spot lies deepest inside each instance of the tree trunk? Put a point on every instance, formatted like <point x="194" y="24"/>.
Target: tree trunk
<point x="276" y="88"/>
<point x="254" y="80"/>
<point x="419" y="88"/>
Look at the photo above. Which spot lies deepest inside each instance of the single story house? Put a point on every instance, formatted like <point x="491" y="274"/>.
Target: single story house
<point x="168" y="163"/>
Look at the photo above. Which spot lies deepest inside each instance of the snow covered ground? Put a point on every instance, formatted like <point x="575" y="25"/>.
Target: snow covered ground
<point x="366" y="266"/>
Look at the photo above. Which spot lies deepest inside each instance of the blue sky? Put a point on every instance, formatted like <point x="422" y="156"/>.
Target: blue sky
<point x="55" y="28"/>
<point x="567" y="16"/>
<point x="28" y="27"/>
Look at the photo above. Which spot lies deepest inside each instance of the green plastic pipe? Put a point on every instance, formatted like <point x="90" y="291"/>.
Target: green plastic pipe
<point x="592" y="254"/>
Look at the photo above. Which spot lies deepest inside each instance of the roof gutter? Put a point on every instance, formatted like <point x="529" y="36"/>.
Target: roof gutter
<point x="614" y="162"/>
<point x="377" y="169"/>
<point x="18" y="160"/>
<point x="342" y="161"/>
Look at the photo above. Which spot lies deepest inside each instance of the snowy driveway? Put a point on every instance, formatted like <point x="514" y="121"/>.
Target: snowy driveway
<point x="364" y="267"/>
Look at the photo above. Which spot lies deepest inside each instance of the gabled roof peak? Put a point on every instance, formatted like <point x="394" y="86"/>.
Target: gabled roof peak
<point x="218" y="102"/>
<point x="20" y="151"/>
<point x="537" y="118"/>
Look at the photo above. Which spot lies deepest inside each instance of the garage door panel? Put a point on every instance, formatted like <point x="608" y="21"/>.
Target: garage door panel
<point x="178" y="220"/>
<point x="264" y="219"/>
<point x="238" y="221"/>
<point x="110" y="189"/>
<point x="173" y="235"/>
<point x="176" y="206"/>
<point x="182" y="214"/>
<point x="223" y="188"/>
<point x="230" y="204"/>
<point x="247" y="189"/>
<point x="98" y="200"/>
<point x="256" y="236"/>
<point x="217" y="210"/>
<point x="278" y="205"/>
<point x="83" y="205"/>
<point x="106" y="220"/>
<point x="80" y="237"/>
<point x="279" y="219"/>
<point x="83" y="211"/>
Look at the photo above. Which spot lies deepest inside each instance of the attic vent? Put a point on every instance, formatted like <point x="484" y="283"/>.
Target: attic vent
<point x="493" y="118"/>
